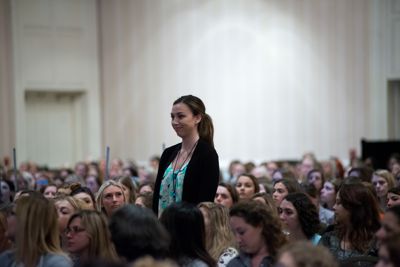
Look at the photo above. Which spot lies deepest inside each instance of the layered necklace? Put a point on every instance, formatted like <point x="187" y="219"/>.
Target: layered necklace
<point x="175" y="173"/>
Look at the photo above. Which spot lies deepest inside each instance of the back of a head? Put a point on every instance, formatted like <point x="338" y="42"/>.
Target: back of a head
<point x="219" y="235"/>
<point x="37" y="228"/>
<point x="185" y="224"/>
<point x="362" y="205"/>
<point x="304" y="254"/>
<point x="136" y="232"/>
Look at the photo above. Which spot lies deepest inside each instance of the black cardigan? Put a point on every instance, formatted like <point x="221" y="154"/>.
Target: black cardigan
<point x="201" y="177"/>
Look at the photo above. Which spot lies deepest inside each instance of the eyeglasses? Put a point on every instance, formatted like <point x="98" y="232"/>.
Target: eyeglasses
<point x="73" y="230"/>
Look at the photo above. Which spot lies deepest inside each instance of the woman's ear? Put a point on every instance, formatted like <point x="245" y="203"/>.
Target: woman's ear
<point x="198" y="118"/>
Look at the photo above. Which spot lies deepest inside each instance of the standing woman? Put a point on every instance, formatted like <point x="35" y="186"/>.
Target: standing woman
<point x="188" y="171"/>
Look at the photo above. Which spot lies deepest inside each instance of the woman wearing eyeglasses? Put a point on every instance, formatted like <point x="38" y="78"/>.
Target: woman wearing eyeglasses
<point x="88" y="238"/>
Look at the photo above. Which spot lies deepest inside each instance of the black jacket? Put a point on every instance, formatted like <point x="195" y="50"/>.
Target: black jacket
<point x="201" y="177"/>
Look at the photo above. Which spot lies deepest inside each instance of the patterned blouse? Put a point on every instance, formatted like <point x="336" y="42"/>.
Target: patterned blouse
<point x="171" y="187"/>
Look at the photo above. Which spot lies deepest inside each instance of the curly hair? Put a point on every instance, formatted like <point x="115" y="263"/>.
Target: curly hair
<point x="364" y="215"/>
<point x="307" y="213"/>
<point x="256" y="214"/>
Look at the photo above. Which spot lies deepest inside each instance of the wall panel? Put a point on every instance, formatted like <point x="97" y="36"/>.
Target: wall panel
<point x="279" y="78"/>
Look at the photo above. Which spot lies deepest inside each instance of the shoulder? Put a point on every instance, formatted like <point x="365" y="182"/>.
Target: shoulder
<point x="226" y="256"/>
<point x="194" y="263"/>
<point x="236" y="262"/>
<point x="203" y="145"/>
<point x="171" y="149"/>
<point x="56" y="260"/>
<point x="329" y="239"/>
<point x="7" y="258"/>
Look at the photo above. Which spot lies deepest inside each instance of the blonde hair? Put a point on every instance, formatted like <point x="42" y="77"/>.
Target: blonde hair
<point x="99" y="196"/>
<point x="387" y="176"/>
<point x="218" y="234"/>
<point x="127" y="182"/>
<point x="148" y="261"/>
<point x="305" y="254"/>
<point x="37" y="230"/>
<point x="95" y="225"/>
<point x="76" y="203"/>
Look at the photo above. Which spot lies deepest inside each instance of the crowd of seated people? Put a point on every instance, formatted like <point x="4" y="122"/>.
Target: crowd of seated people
<point x="305" y="213"/>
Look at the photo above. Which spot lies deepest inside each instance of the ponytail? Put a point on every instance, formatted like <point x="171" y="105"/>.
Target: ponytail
<point x="206" y="129"/>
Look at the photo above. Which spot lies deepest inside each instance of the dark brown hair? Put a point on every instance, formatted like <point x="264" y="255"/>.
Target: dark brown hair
<point x="364" y="215"/>
<point x="205" y="127"/>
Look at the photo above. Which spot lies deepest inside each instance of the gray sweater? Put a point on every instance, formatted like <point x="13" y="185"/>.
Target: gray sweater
<point x="7" y="259"/>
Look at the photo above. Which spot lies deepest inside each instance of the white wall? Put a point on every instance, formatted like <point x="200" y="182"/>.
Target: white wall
<point x="7" y="114"/>
<point x="279" y="78"/>
<point x="55" y="49"/>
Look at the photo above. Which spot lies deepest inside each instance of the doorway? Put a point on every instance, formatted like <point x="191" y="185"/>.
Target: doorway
<point x="54" y="127"/>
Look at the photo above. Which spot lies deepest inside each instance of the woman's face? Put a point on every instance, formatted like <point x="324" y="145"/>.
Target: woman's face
<point x="248" y="237"/>
<point x="113" y="198"/>
<point x="289" y="216"/>
<point x="78" y="239"/>
<point x="245" y="187"/>
<point x="223" y="197"/>
<point x="315" y="178"/>
<point x="381" y="186"/>
<point x="392" y="199"/>
<point x="183" y="121"/>
<point x="280" y="191"/>
<point x="328" y="193"/>
<point x="64" y="211"/>
<point x="5" y="192"/>
<point x="342" y="215"/>
<point x="91" y="183"/>
<point x="50" y="192"/>
<point x="85" y="197"/>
